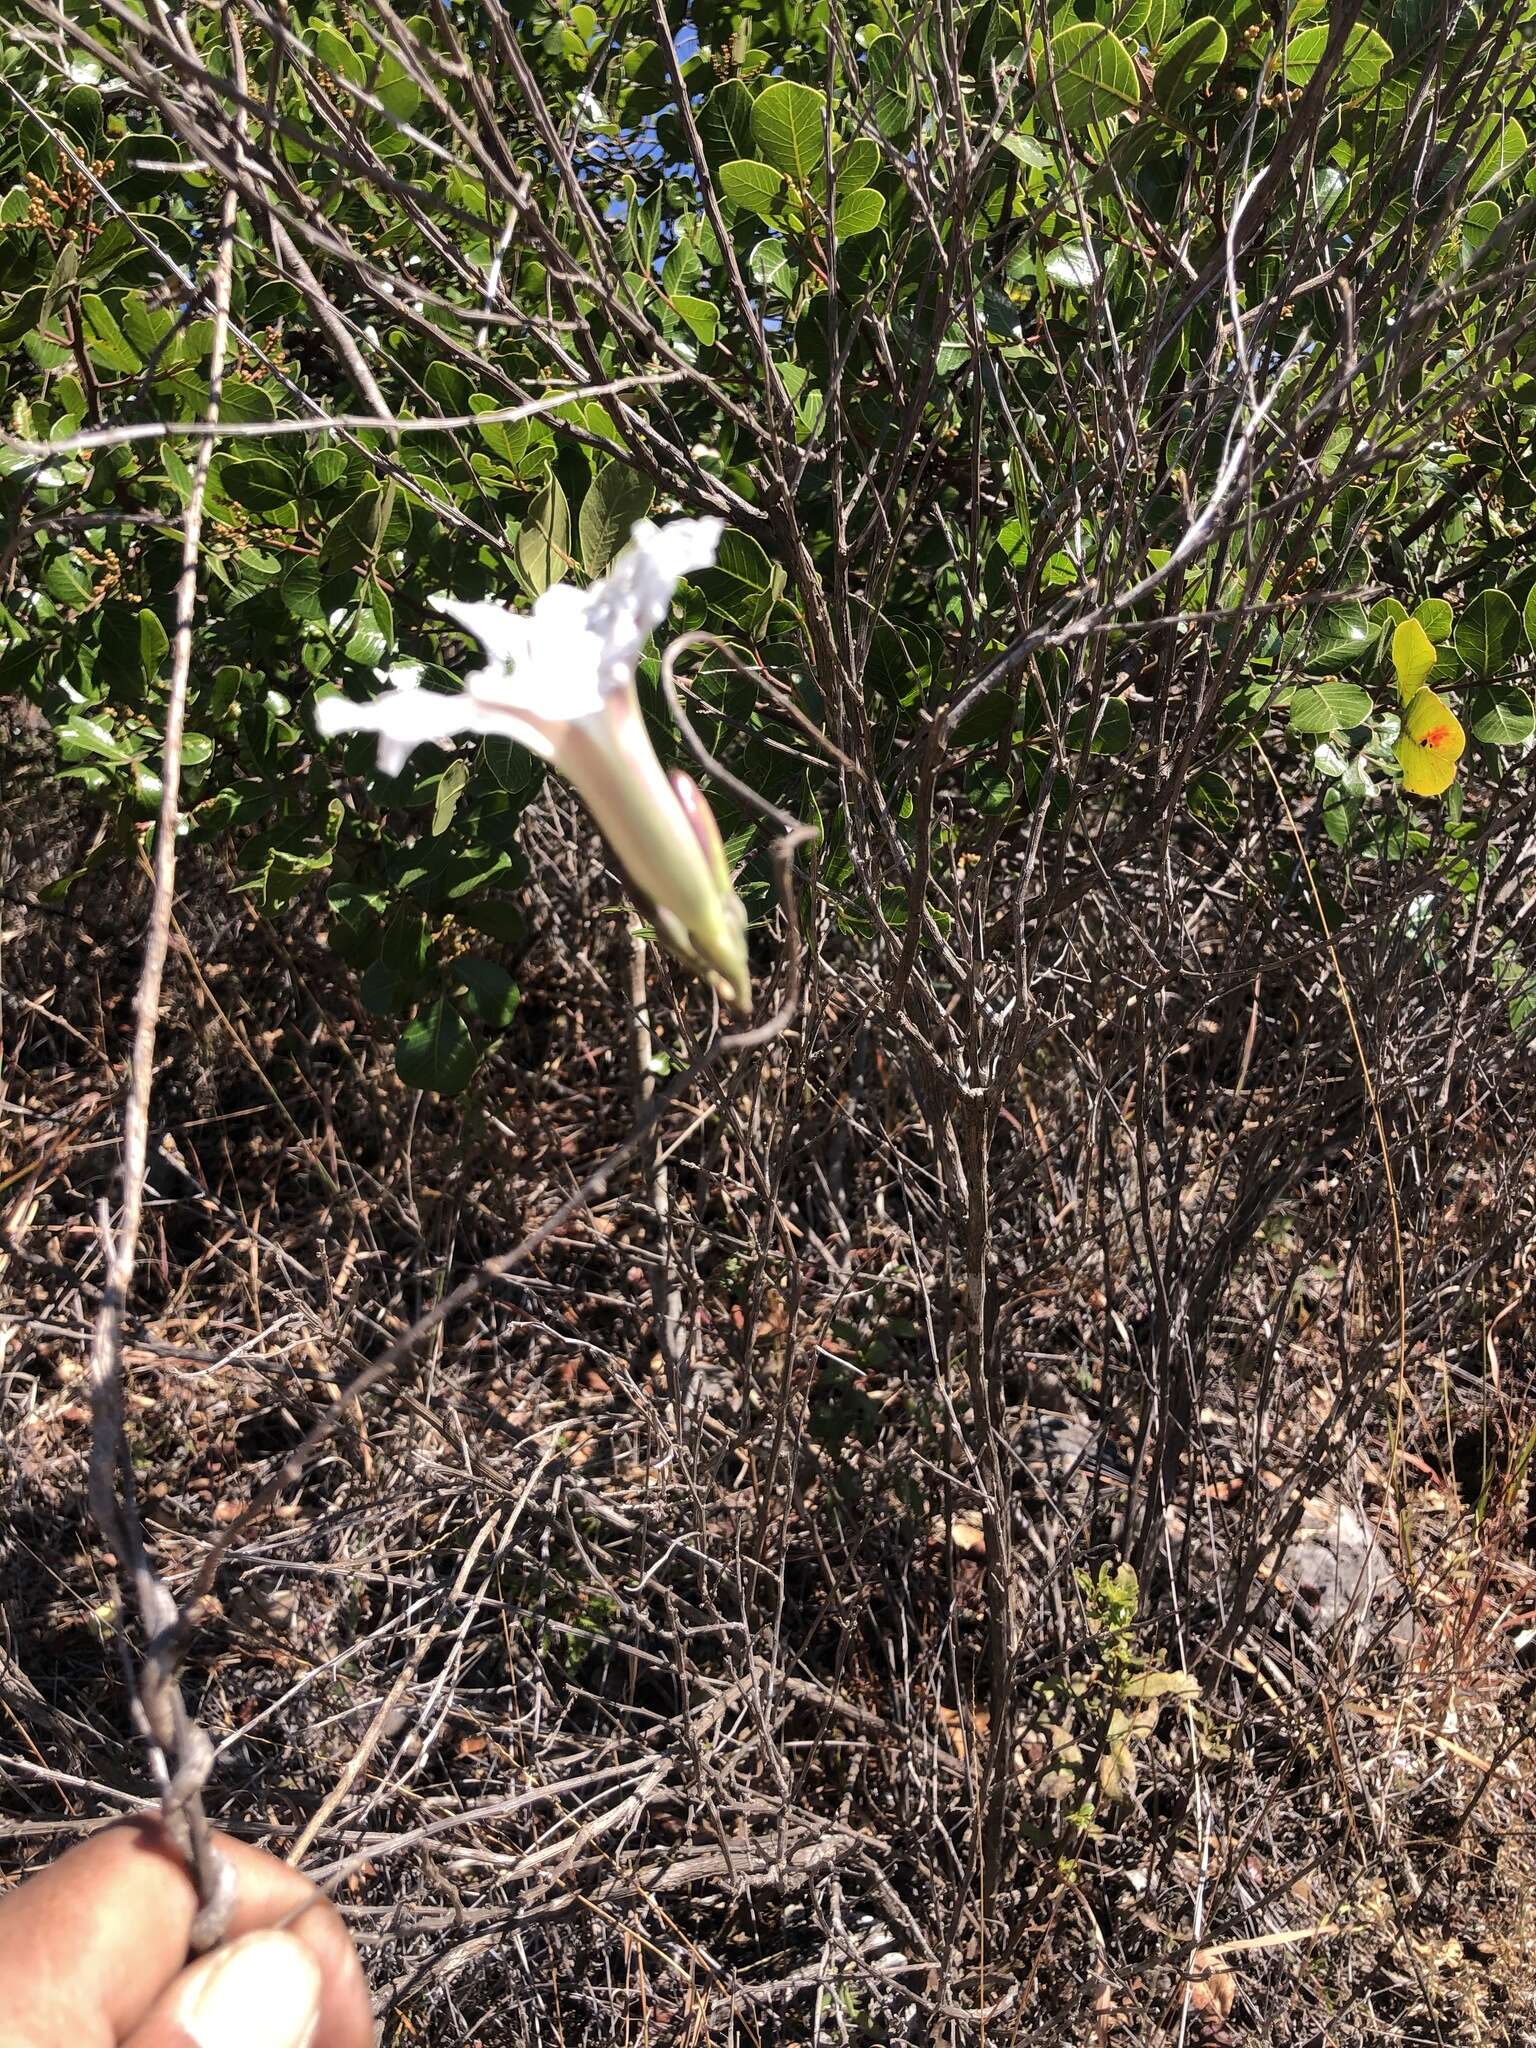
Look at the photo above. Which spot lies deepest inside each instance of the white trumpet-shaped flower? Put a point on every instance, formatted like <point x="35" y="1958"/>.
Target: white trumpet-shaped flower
<point x="560" y="679"/>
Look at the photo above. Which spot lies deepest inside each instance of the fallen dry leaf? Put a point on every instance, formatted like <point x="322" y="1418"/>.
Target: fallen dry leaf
<point x="1103" y="2009"/>
<point x="960" y="1728"/>
<point x="964" y="1531"/>
<point x="1212" y="1987"/>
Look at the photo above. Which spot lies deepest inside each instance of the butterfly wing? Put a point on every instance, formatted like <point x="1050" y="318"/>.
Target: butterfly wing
<point x="1432" y="743"/>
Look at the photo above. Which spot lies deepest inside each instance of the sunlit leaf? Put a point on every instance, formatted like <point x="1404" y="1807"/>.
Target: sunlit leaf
<point x="1094" y="76"/>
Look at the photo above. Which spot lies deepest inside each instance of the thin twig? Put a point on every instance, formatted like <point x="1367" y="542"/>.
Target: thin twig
<point x="180" y="1750"/>
<point x="209" y="429"/>
<point x="666" y="1295"/>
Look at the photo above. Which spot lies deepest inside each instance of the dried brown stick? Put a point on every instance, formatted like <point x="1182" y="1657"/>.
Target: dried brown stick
<point x="358" y="1761"/>
<point x="666" y="1294"/>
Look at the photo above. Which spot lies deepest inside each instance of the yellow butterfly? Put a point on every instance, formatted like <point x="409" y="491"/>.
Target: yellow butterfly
<point x="1432" y="740"/>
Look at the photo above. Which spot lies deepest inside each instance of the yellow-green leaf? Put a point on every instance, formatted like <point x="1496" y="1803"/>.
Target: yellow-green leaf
<point x="789" y="127"/>
<point x="1194" y="57"/>
<point x="1094" y="75"/>
<point x="1413" y="656"/>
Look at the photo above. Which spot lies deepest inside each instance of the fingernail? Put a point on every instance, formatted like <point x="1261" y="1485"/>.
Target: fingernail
<point x="263" y="1991"/>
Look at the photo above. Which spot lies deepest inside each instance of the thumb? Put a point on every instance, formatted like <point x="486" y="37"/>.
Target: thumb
<point x="262" y="1991"/>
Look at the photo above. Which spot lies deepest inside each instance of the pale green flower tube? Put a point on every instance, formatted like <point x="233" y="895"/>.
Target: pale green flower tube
<point x="561" y="681"/>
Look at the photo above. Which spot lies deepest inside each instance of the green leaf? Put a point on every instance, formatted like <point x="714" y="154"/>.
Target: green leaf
<point x="1500" y="715"/>
<point x="1488" y="632"/>
<point x="436" y="1050"/>
<point x="1435" y="616"/>
<point x="1340" y="634"/>
<point x="1212" y="801"/>
<point x="543" y="546"/>
<point x="1189" y="62"/>
<point x="1329" y="707"/>
<point x="337" y="55"/>
<point x="301" y="589"/>
<point x="1341" y="812"/>
<point x="403" y="943"/>
<point x="857" y="212"/>
<point x="66" y="270"/>
<point x="367" y="642"/>
<point x="891" y="99"/>
<point x="1071" y="264"/>
<point x="1478" y="223"/>
<point x="384" y="990"/>
<point x="770" y="266"/>
<point x="255" y="483"/>
<point x="145" y="326"/>
<point x="725" y="123"/>
<point x="450" y="787"/>
<point x="1366" y="55"/>
<point x="395" y="89"/>
<point x="497" y="917"/>
<point x="1026" y="150"/>
<point x="700" y="316"/>
<point x="105" y="340"/>
<point x="753" y="186"/>
<point x="255" y="569"/>
<point x="66" y="583"/>
<point x="743" y="582"/>
<point x="1095" y="77"/>
<point x="154" y="642"/>
<point x="508" y="439"/>
<point x="70" y="393"/>
<point x="511" y="768"/>
<point x="465" y="874"/>
<point x="616" y="497"/>
<point x="855" y="164"/>
<point x="789" y="129"/>
<point x="359" y="530"/>
<point x="247" y="402"/>
<point x="1495" y="149"/>
<point x="1111" y="732"/>
<point x="682" y="266"/>
<point x="358" y="912"/>
<point x="489" y="991"/>
<point x="83" y="735"/>
<point x="1138" y="21"/>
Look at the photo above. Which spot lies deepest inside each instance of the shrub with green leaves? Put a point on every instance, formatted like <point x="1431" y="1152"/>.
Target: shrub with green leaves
<point x="1085" y="396"/>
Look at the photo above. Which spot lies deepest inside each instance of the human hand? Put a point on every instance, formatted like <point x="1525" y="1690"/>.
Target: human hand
<point x="93" y="1954"/>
